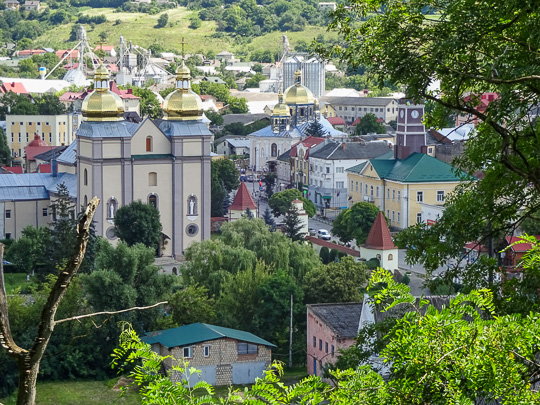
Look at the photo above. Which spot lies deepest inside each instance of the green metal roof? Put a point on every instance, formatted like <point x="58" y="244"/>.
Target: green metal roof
<point x="199" y="332"/>
<point x="152" y="156"/>
<point x="417" y="168"/>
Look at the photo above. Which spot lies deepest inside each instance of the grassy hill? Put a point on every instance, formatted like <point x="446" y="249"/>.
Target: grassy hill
<point x="140" y="29"/>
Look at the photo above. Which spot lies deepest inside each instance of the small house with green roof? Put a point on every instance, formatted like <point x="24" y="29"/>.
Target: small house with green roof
<point x="224" y="356"/>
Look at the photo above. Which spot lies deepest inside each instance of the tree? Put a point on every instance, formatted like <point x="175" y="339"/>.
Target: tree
<point x="191" y="305"/>
<point x="368" y="125"/>
<point x="28" y="68"/>
<point x="342" y="281"/>
<point x="315" y="128"/>
<point x="28" y="361"/>
<point x="355" y="222"/>
<point x="194" y="23"/>
<point x="49" y="104"/>
<point x="162" y="20"/>
<point x="30" y="250"/>
<point x="102" y="36"/>
<point x="138" y="223"/>
<point x="238" y="105"/>
<point x="269" y="180"/>
<point x="280" y="202"/>
<point x="5" y="152"/>
<point x="292" y="224"/>
<point x="214" y="117"/>
<point x="225" y="177"/>
<point x="150" y="105"/>
<point x="269" y="219"/>
<point x="253" y="81"/>
<point x="504" y="143"/>
<point x="324" y="254"/>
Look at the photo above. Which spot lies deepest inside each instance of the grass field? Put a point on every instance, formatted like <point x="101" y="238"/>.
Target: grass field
<point x="14" y="281"/>
<point x="140" y="29"/>
<point x="78" y="392"/>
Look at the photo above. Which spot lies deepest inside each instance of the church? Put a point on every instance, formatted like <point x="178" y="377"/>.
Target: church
<point x="164" y="162"/>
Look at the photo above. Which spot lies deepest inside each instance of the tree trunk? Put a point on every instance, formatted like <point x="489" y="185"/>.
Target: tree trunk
<point x="28" y="374"/>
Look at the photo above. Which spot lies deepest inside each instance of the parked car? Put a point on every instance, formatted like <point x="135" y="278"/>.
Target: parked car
<point x="323" y="234"/>
<point x="312" y="231"/>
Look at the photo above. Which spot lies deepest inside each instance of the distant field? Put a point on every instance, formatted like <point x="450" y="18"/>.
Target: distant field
<point x="78" y="392"/>
<point x="139" y="28"/>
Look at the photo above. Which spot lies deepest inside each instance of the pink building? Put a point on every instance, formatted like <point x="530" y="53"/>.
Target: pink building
<point x="330" y="327"/>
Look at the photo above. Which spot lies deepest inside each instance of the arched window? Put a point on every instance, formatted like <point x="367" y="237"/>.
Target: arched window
<point x="152" y="179"/>
<point x="153" y="200"/>
<point x="274" y="150"/>
<point x="390" y="257"/>
<point x="85" y="177"/>
<point x="149" y="144"/>
<point x="175" y="271"/>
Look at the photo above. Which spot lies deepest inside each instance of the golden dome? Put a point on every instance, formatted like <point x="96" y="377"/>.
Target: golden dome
<point x="281" y="109"/>
<point x="102" y="104"/>
<point x="183" y="104"/>
<point x="298" y="94"/>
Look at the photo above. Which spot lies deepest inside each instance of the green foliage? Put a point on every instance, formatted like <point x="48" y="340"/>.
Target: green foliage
<point x="162" y="20"/>
<point x="355" y="222"/>
<point x="219" y="91"/>
<point x="29" y="251"/>
<point x="342" y="281"/>
<point x="214" y="117"/>
<point x="280" y="202"/>
<point x="195" y="23"/>
<point x="373" y="263"/>
<point x="5" y="152"/>
<point x="369" y="124"/>
<point x="315" y="128"/>
<point x="191" y="305"/>
<point x="292" y="224"/>
<point x="324" y="254"/>
<point x="225" y="177"/>
<point x="269" y="219"/>
<point x="238" y="105"/>
<point x="138" y="223"/>
<point x="150" y="105"/>
<point x="253" y="81"/>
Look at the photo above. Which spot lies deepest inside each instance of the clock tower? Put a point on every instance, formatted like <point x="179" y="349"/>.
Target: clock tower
<point x="411" y="133"/>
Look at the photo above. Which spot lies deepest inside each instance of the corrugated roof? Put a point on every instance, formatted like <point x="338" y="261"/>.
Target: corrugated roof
<point x="298" y="131"/>
<point x="50" y="154"/>
<point x="350" y="150"/>
<point x="35" y="186"/>
<point x="200" y="332"/>
<point x="108" y="129"/>
<point x="239" y="143"/>
<point x="342" y="318"/>
<point x="417" y="168"/>
<point x="69" y="155"/>
<point x="183" y="128"/>
<point x="379" y="235"/>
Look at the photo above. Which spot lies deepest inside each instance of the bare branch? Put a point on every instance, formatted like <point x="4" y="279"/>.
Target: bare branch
<point x="76" y="318"/>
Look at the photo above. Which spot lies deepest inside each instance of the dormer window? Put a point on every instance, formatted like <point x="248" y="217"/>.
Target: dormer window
<point x="179" y="84"/>
<point x="98" y="85"/>
<point x="104" y="84"/>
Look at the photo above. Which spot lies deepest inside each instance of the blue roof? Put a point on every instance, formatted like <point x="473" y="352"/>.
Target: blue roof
<point x="35" y="186"/>
<point x="239" y="143"/>
<point x="183" y="128"/>
<point x="69" y="155"/>
<point x="107" y="129"/>
<point x="199" y="332"/>
<point x="298" y="131"/>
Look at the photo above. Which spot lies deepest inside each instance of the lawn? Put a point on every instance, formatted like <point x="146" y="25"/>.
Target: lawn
<point x="140" y="29"/>
<point x="78" y="392"/>
<point x="14" y="281"/>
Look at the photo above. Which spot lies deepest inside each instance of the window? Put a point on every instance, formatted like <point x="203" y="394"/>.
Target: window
<point x="333" y="350"/>
<point x="340" y="184"/>
<point x="320" y="344"/>
<point x="314" y="341"/>
<point x="8" y="235"/>
<point x="388" y="213"/>
<point x="247" y="348"/>
<point x="206" y="351"/>
<point x="339" y="169"/>
<point x="327" y="170"/>
<point x="273" y="149"/>
<point x="149" y="144"/>
<point x="387" y="193"/>
<point x="326" y="347"/>
<point x="393" y="194"/>
<point x="357" y="187"/>
<point x="390" y="257"/>
<point x="376" y="110"/>
<point x="440" y="196"/>
<point x="152" y="179"/>
<point x="187" y="352"/>
<point x="419" y="196"/>
<point x="418" y="217"/>
<point x="377" y="191"/>
<point x="8" y="213"/>
<point x="399" y="195"/>
<point x="152" y="200"/>
<point x="85" y="177"/>
<point x="372" y="191"/>
<point x="393" y="215"/>
<point x="366" y="190"/>
<point x="45" y="212"/>
<point x="430" y="150"/>
<point x="398" y="217"/>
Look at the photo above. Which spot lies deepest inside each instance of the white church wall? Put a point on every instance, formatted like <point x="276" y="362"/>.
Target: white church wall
<point x="159" y="142"/>
<point x="111" y="148"/>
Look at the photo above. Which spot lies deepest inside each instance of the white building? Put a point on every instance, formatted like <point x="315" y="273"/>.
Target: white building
<point x="313" y="72"/>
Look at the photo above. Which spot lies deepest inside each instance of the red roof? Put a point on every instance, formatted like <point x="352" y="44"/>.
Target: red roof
<point x="309" y="142"/>
<point x="70" y="95"/>
<point x="73" y="53"/>
<point x="485" y="99"/>
<point x="104" y="47"/>
<point x="37" y="141"/>
<point x="243" y="199"/>
<point x="44" y="168"/>
<point x="15" y="87"/>
<point x="31" y="52"/>
<point x="356" y="121"/>
<point x="379" y="235"/>
<point x="475" y="246"/>
<point x="15" y="169"/>
<point x="520" y="247"/>
<point x="128" y="93"/>
<point x="336" y="120"/>
<point x="330" y="245"/>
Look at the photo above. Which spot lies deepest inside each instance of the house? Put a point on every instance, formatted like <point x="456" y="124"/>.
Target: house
<point x="12" y="4"/>
<point x="225" y="56"/>
<point x="448" y="143"/>
<point x="380" y="245"/>
<point x="28" y="53"/>
<point x="283" y="170"/>
<point x="108" y="49"/>
<point x="327" y="6"/>
<point x="299" y="156"/>
<point x="400" y="182"/>
<point x="351" y="108"/>
<point x="242" y="201"/>
<point x="478" y="102"/>
<point x="338" y="123"/>
<point x="68" y="53"/>
<point x="224" y="356"/>
<point x="232" y="146"/>
<point x="328" y="186"/>
<point x="15" y="87"/>
<point x="32" y="5"/>
<point x="330" y="327"/>
<point x="36" y="147"/>
<point x="514" y="248"/>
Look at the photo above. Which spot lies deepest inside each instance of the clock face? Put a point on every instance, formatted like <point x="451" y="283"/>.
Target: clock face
<point x="401" y="114"/>
<point x="415" y="114"/>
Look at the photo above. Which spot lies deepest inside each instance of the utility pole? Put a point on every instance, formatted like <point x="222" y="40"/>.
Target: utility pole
<point x="290" y="334"/>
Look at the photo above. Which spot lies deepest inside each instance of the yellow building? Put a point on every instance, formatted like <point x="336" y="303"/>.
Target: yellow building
<point x="400" y="181"/>
<point x="55" y="130"/>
